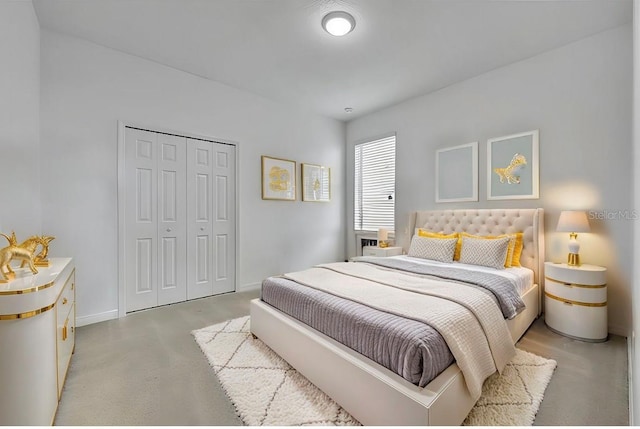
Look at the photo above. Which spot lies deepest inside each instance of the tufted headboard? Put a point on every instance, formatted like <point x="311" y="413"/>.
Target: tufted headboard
<point x="490" y="222"/>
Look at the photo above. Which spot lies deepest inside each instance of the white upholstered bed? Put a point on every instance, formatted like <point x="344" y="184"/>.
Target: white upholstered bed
<point x="370" y="392"/>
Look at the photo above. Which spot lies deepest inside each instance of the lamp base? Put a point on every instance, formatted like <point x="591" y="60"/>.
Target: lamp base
<point x="573" y="260"/>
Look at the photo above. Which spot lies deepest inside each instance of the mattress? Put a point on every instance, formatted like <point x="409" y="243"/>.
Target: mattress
<point x="412" y="349"/>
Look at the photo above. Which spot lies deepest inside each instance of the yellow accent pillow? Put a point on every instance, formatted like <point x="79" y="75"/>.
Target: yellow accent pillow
<point x="517" y="250"/>
<point x="431" y="234"/>
<point x="513" y="248"/>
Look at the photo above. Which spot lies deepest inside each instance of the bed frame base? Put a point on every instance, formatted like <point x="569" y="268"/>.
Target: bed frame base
<point x="369" y="392"/>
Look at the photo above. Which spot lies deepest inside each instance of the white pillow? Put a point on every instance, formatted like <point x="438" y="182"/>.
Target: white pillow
<point x="437" y="249"/>
<point x="488" y="253"/>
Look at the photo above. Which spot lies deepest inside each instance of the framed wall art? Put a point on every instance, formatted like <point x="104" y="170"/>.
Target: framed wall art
<point x="457" y="173"/>
<point x="316" y="183"/>
<point x="278" y="179"/>
<point x="512" y="163"/>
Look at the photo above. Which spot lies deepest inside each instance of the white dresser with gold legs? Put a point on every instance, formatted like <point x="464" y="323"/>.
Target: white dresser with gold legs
<point x="37" y="337"/>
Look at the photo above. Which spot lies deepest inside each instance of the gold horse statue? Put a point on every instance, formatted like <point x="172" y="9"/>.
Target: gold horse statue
<point x="15" y="251"/>
<point x="31" y="244"/>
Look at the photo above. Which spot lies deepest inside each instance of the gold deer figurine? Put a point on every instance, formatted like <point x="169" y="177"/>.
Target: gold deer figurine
<point x="40" y="260"/>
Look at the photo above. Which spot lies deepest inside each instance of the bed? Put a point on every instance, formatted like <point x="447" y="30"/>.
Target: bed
<point x="375" y="395"/>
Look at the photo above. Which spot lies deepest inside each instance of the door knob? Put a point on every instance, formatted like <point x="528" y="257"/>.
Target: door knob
<point x="168" y="229"/>
<point x="202" y="228"/>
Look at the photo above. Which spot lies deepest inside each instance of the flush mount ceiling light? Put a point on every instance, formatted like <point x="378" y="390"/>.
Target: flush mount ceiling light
<point x="338" y="23"/>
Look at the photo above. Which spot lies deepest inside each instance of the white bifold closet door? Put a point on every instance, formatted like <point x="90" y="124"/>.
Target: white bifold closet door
<point x="211" y="218"/>
<point x="179" y="218"/>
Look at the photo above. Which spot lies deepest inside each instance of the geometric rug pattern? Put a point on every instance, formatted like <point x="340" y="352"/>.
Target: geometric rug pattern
<point x="267" y="391"/>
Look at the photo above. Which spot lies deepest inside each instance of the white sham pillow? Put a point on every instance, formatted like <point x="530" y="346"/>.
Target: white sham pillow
<point x="436" y="249"/>
<point x="488" y="253"/>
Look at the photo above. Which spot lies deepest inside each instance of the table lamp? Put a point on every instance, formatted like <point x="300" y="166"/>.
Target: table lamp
<point x="383" y="236"/>
<point x="573" y="221"/>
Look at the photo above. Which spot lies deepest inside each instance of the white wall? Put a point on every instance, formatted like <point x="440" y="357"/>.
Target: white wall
<point x="19" y="120"/>
<point x="634" y="355"/>
<point x="579" y="97"/>
<point x="87" y="88"/>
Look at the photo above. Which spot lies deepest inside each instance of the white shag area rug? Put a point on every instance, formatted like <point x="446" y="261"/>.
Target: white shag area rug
<point x="267" y="391"/>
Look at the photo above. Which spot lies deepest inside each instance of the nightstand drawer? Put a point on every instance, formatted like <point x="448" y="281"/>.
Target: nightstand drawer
<point x="574" y="292"/>
<point x="577" y="321"/>
<point x="586" y="275"/>
<point x="381" y="251"/>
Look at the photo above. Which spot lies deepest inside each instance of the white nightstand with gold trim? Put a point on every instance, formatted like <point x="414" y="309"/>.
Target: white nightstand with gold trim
<point x="576" y="301"/>
<point x="381" y="251"/>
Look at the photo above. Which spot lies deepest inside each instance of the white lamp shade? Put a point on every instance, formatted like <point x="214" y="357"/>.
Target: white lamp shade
<point x="573" y="221"/>
<point x="383" y="234"/>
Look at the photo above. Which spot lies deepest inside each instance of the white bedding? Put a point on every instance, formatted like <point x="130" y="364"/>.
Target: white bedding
<point x="521" y="277"/>
<point x="468" y="319"/>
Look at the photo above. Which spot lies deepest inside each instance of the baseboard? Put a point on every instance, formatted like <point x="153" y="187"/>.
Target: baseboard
<point x="250" y="286"/>
<point x="95" y="318"/>
<point x="630" y="361"/>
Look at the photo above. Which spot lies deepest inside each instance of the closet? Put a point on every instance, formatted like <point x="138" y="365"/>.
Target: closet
<point x="179" y="218"/>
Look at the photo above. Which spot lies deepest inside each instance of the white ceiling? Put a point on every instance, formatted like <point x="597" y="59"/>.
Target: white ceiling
<point x="276" y="48"/>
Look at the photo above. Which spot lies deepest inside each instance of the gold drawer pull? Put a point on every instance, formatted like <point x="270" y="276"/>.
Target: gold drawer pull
<point x="64" y="301"/>
<point x="72" y="285"/>
<point x="64" y="330"/>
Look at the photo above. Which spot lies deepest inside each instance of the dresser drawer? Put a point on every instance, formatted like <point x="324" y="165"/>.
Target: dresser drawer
<point x="66" y="298"/>
<point x="66" y="335"/>
<point x="577" y="293"/>
<point x="577" y="321"/>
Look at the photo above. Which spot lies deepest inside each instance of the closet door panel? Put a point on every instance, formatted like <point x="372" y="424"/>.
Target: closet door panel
<point x="141" y="223"/>
<point x="199" y="219"/>
<point x="224" y="227"/>
<point x="172" y="214"/>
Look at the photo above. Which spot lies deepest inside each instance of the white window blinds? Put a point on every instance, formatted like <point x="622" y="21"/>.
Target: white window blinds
<point x="375" y="184"/>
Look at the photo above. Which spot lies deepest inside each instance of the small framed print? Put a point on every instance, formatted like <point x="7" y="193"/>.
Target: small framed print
<point x="278" y="179"/>
<point x="512" y="167"/>
<point x="457" y="173"/>
<point x="316" y="183"/>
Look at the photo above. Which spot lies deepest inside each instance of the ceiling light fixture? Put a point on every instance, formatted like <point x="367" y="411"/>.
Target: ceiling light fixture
<point x="338" y="23"/>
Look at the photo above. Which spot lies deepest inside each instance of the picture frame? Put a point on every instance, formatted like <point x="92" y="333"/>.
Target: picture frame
<point x="457" y="173"/>
<point x="316" y="183"/>
<point x="512" y="167"/>
<point x="278" y="179"/>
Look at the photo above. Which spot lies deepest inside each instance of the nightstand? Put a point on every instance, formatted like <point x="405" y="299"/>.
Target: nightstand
<point x="576" y="301"/>
<point x="381" y="251"/>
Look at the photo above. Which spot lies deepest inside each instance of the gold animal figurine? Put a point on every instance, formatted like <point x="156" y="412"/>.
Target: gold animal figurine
<point x="11" y="252"/>
<point x="510" y="173"/>
<point x="40" y="259"/>
<point x="31" y="244"/>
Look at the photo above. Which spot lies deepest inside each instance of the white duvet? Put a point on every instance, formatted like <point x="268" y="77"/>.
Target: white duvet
<point x="468" y="319"/>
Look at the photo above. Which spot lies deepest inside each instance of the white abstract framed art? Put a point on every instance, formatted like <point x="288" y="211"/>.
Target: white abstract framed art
<point x="457" y="173"/>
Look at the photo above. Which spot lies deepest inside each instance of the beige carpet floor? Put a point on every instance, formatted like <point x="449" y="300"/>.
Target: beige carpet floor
<point x="265" y="390"/>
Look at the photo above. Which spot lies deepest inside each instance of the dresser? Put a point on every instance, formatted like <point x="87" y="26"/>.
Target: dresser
<point x="37" y="338"/>
<point x="576" y="301"/>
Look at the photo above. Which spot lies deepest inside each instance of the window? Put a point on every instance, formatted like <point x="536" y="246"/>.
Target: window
<point x="375" y="184"/>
